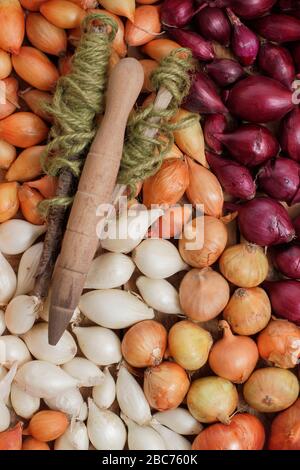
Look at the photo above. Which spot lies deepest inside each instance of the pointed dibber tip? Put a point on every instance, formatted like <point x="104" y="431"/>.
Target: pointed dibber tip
<point x="59" y="320"/>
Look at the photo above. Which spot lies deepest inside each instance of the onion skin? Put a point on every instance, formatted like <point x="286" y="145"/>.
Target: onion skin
<point x="277" y="62"/>
<point x="285" y="429"/>
<point x="144" y="344"/>
<point x="245" y="432"/>
<point x="177" y="13"/>
<point x="284" y="296"/>
<point x="12" y="26"/>
<point x="203" y="294"/>
<point x="189" y="344"/>
<point x="23" y="130"/>
<point x="287" y="260"/>
<point x="203" y="97"/>
<point x="45" y="36"/>
<point x="278" y="28"/>
<point x="252" y="8"/>
<point x="279" y="344"/>
<point x="27" y="166"/>
<point x="280" y="179"/>
<point x="34" y="67"/>
<point x="297" y="228"/>
<point x="236" y="179"/>
<point x="214" y="124"/>
<point x="168" y="185"/>
<point x="259" y="99"/>
<point x="225" y="71"/>
<point x="201" y="49"/>
<point x="275" y="224"/>
<point x="36" y="99"/>
<point x="48" y="425"/>
<point x="165" y="386"/>
<point x="244" y="42"/>
<point x="146" y="21"/>
<point x="250" y="144"/>
<point x="212" y="399"/>
<point x="11" y="97"/>
<point x="29" y="200"/>
<point x="11" y="439"/>
<point x="215" y="240"/>
<point x="244" y="265"/>
<point x="32" y="444"/>
<point x="290" y="134"/>
<point x="204" y="188"/>
<point x="248" y="311"/>
<point x="271" y="389"/>
<point x="213" y="24"/>
<point x="63" y="14"/>
<point x="233" y="357"/>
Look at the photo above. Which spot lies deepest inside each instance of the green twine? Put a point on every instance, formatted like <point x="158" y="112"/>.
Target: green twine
<point x="143" y="156"/>
<point x="78" y="98"/>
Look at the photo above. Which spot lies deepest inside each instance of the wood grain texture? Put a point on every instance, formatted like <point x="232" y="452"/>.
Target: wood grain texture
<point x="96" y="187"/>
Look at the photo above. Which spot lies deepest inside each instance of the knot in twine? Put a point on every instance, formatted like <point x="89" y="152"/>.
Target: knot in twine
<point x="78" y="98"/>
<point x="143" y="155"/>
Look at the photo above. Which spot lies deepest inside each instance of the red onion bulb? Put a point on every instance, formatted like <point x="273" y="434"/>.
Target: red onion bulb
<point x="278" y="28"/>
<point x="277" y="62"/>
<point x="284" y="296"/>
<point x="214" y="124"/>
<point x="245" y="43"/>
<point x="213" y="24"/>
<point x="280" y="179"/>
<point x="224" y="71"/>
<point x="287" y="260"/>
<point x="177" y="13"/>
<point x="203" y="96"/>
<point x="201" y="49"/>
<point x="290" y="134"/>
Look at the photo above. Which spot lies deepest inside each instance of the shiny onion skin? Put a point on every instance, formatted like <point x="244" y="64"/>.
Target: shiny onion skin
<point x="296" y="55"/>
<point x="259" y="99"/>
<point x="290" y="134"/>
<point x="225" y="71"/>
<point x="11" y="439"/>
<point x="165" y="386"/>
<point x="214" y="124"/>
<point x="244" y="43"/>
<point x="213" y="24"/>
<point x="275" y="225"/>
<point x="200" y="47"/>
<point x="12" y="26"/>
<point x="284" y="296"/>
<point x="203" y="96"/>
<point x="177" y="13"/>
<point x="277" y="62"/>
<point x="287" y="260"/>
<point x="278" y="28"/>
<point x="45" y="36"/>
<point x="245" y="8"/>
<point x="236" y="179"/>
<point x="250" y="144"/>
<point x="285" y="429"/>
<point x="280" y="179"/>
<point x="23" y="129"/>
<point x="245" y="432"/>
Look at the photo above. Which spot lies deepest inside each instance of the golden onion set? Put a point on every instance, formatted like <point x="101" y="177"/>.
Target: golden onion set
<point x="170" y="348"/>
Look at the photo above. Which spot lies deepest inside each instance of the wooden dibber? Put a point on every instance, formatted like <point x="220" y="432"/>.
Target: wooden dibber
<point x="96" y="187"/>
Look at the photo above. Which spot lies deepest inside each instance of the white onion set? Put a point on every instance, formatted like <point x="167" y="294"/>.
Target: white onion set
<point x="21" y="313"/>
<point x="109" y="270"/>
<point x="105" y="429"/>
<point x="28" y="268"/>
<point x="104" y="394"/>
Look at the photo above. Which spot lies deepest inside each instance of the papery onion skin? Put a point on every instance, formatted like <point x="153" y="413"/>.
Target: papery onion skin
<point x="204" y="188"/>
<point x="144" y="344"/>
<point x="277" y="62"/>
<point x="212" y="399"/>
<point x="34" y="67"/>
<point x="248" y="311"/>
<point x="33" y="444"/>
<point x="214" y="123"/>
<point x="285" y="429"/>
<point x="244" y="42"/>
<point x="284" y="296"/>
<point x="165" y="386"/>
<point x="245" y="432"/>
<point x="214" y="243"/>
<point x="203" y="294"/>
<point x="252" y="8"/>
<point x="235" y="178"/>
<point x="271" y="389"/>
<point x="189" y="344"/>
<point x="11" y="86"/>
<point x="45" y="36"/>
<point x="146" y="26"/>
<point x="36" y="99"/>
<point x="177" y="13"/>
<point x="48" y="425"/>
<point x="278" y="28"/>
<point x="12" y="438"/>
<point x="275" y="225"/>
<point x="290" y="134"/>
<point x="23" y="129"/>
<point x="244" y="265"/>
<point x="280" y="179"/>
<point x="168" y="185"/>
<point x="259" y="99"/>
<point x="203" y="97"/>
<point x="233" y="357"/>
<point x="27" y="166"/>
<point x="200" y="47"/>
<point x="250" y="144"/>
<point x="63" y="14"/>
<point x="279" y="343"/>
<point x="9" y="203"/>
<point x="213" y="24"/>
<point x="224" y="71"/>
<point x="12" y="26"/>
<point x="287" y="260"/>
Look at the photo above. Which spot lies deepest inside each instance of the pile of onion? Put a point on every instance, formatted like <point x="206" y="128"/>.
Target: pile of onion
<point x="285" y="429"/>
